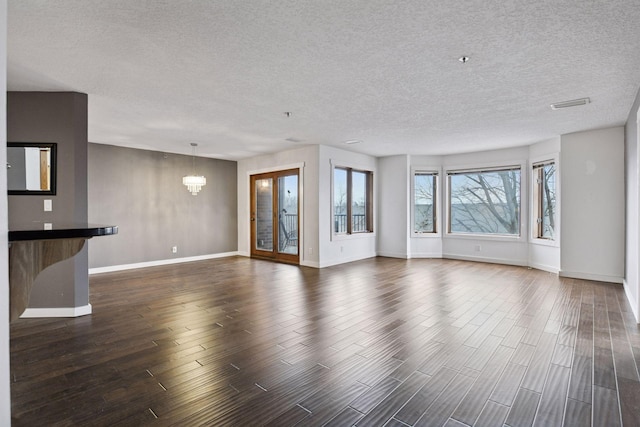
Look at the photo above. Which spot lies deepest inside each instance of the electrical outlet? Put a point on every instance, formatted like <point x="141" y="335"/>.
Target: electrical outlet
<point x="478" y="248"/>
<point x="48" y="206"/>
<point x="48" y="226"/>
<point x="174" y="249"/>
<point x="341" y="248"/>
<point x="310" y="251"/>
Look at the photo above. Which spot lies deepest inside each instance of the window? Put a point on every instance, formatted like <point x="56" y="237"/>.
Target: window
<point x="424" y="202"/>
<point x="485" y="201"/>
<point x="544" y="200"/>
<point x="352" y="201"/>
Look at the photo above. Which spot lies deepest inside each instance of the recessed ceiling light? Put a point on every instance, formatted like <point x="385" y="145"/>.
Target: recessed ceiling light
<point x="572" y="103"/>
<point x="464" y="59"/>
<point x="353" y="141"/>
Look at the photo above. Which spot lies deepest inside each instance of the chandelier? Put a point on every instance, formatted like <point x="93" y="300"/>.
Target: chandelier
<point x="194" y="182"/>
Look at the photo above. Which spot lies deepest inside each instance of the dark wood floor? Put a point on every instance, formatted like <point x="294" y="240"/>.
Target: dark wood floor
<point x="378" y="342"/>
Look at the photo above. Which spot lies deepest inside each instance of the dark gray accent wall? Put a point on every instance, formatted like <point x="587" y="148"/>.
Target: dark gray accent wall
<point x="59" y="117"/>
<point x="17" y="169"/>
<point x="141" y="192"/>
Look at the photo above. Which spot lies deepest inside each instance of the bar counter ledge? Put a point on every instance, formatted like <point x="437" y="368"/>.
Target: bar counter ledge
<point x="35" y="246"/>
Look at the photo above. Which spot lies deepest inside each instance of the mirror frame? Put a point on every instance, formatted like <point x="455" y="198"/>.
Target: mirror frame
<point x="52" y="169"/>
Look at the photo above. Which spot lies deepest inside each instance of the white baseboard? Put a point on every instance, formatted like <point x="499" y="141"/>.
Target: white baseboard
<point x="394" y="255"/>
<point x="632" y="301"/>
<point x="313" y="264"/>
<point x="345" y="260"/>
<point x="544" y="267"/>
<point x="488" y="260"/>
<point x="416" y="255"/>
<point x="113" y="268"/>
<point x="589" y="276"/>
<point x="57" y="312"/>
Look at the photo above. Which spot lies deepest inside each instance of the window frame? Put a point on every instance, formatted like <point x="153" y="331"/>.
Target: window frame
<point x="436" y="172"/>
<point x="493" y="167"/>
<point x="369" y="191"/>
<point x="533" y="226"/>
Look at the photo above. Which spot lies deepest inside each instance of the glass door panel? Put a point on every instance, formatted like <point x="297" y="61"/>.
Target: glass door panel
<point x="264" y="214"/>
<point x="288" y="214"/>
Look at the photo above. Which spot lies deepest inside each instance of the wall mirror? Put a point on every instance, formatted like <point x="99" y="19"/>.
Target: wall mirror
<point x="31" y="168"/>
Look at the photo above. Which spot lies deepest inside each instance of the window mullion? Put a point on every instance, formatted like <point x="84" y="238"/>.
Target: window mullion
<point x="349" y="201"/>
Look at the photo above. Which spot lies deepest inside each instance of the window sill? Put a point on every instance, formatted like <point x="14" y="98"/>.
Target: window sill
<point x="426" y="235"/>
<point x="354" y="236"/>
<point x="492" y="237"/>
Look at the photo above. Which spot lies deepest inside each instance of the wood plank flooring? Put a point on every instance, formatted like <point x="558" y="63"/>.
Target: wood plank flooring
<point x="378" y="342"/>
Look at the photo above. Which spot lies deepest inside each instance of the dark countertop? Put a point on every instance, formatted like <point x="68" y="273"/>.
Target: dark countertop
<point x="36" y="231"/>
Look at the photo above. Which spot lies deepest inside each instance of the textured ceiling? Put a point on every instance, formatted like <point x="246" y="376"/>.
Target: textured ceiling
<point x="162" y="74"/>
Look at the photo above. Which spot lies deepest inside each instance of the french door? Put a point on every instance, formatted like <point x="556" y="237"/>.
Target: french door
<point x="274" y="216"/>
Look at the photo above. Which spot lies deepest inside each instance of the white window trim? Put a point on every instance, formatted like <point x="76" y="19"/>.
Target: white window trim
<point x="533" y="239"/>
<point x="437" y="170"/>
<point x="524" y="200"/>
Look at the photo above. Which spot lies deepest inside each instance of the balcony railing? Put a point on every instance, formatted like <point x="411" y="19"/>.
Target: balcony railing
<point x="358" y="223"/>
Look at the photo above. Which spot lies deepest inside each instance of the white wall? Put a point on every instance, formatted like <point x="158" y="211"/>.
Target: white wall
<point x="5" y="383"/>
<point x="340" y="249"/>
<point x="393" y="199"/>
<point x="305" y="157"/>
<point x="593" y="205"/>
<point x="632" y="196"/>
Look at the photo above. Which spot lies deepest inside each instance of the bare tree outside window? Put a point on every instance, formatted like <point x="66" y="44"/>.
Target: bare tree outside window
<point x="424" y="202"/>
<point x="485" y="202"/>
<point x="544" y="199"/>
<point x="352" y="201"/>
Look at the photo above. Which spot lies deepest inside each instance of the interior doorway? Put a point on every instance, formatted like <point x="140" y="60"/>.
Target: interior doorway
<point x="275" y="216"/>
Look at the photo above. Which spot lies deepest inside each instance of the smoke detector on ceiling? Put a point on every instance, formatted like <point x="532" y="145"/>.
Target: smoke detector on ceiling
<point x="572" y="103"/>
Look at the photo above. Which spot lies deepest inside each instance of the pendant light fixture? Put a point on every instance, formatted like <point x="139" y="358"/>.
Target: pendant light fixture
<point x="194" y="182"/>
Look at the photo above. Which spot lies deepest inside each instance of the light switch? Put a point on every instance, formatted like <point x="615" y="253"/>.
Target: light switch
<point x="47" y="205"/>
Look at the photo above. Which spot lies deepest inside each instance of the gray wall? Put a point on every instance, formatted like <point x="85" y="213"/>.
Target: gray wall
<point x="59" y="117"/>
<point x="17" y="169"/>
<point x="142" y="193"/>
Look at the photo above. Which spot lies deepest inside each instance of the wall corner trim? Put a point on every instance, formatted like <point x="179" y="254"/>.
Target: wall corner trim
<point x="394" y="255"/>
<point x="112" y="268"/>
<point x="632" y="302"/>
<point x="31" y="313"/>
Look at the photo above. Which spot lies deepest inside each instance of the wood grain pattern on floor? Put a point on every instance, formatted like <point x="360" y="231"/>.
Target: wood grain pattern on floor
<point x="236" y="341"/>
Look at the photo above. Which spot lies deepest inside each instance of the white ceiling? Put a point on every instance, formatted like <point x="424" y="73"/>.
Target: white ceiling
<point x="163" y="74"/>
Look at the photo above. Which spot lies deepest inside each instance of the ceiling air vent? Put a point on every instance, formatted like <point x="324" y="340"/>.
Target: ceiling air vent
<point x="572" y="103"/>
